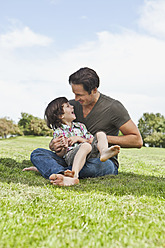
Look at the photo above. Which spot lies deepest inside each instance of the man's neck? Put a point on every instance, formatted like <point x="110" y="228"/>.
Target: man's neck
<point x="87" y="108"/>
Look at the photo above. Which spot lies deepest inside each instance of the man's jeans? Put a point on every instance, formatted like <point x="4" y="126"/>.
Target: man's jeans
<point x="48" y="163"/>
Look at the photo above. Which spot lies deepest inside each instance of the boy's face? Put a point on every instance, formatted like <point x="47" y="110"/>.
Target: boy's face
<point x="68" y="115"/>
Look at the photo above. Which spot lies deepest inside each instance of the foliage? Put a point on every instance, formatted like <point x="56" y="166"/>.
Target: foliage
<point x="24" y="122"/>
<point x="7" y="127"/>
<point x="32" y="125"/>
<point x="111" y="211"/>
<point x="152" y="129"/>
<point x="156" y="139"/>
<point x="151" y="126"/>
<point x="38" y="127"/>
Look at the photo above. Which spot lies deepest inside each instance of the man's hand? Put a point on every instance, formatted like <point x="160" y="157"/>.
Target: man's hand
<point x="58" y="143"/>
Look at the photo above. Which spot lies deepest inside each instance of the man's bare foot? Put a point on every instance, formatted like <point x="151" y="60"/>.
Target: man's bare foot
<point x="60" y="180"/>
<point x="110" y="152"/>
<point x="32" y="168"/>
<point x="69" y="173"/>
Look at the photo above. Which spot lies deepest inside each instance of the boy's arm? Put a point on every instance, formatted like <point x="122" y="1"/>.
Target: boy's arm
<point x="86" y="136"/>
<point x="77" y="139"/>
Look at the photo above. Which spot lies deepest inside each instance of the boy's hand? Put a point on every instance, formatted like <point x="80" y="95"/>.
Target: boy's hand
<point x="72" y="140"/>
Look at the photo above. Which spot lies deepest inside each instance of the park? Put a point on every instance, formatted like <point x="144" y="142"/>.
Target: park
<point x="126" y="210"/>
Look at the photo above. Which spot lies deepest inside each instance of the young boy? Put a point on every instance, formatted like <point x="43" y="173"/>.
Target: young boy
<point x="78" y="143"/>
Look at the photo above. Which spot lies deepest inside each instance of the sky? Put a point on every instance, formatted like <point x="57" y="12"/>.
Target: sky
<point x="42" y="42"/>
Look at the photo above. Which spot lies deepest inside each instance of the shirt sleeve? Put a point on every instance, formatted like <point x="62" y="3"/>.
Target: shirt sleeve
<point x="120" y="114"/>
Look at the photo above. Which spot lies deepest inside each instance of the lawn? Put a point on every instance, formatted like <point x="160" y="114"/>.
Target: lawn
<point x="127" y="210"/>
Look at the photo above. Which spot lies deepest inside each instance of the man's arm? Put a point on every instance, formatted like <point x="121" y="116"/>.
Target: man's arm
<point x="131" y="136"/>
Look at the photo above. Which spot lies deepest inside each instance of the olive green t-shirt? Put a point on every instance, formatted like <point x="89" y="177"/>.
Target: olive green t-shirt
<point x="107" y="115"/>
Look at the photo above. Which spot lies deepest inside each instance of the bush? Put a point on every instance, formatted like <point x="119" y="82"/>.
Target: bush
<point x="7" y="127"/>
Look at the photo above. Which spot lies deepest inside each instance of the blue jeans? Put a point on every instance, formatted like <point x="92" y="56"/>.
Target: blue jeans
<point x="48" y="163"/>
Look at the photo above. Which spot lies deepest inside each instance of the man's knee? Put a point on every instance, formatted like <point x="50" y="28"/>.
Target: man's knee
<point x="37" y="152"/>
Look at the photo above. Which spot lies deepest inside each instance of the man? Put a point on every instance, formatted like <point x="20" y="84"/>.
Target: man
<point x="99" y="113"/>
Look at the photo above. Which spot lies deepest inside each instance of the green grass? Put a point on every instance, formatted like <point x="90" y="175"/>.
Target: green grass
<point x="127" y="210"/>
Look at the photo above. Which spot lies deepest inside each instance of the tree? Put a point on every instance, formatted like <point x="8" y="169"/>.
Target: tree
<point x="7" y="127"/>
<point x="32" y="125"/>
<point x="155" y="139"/>
<point x="152" y="128"/>
<point x="24" y="122"/>
<point x="38" y="127"/>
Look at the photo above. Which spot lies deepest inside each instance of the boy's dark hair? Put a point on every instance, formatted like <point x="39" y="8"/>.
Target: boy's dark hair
<point x="54" y="111"/>
<point x="87" y="77"/>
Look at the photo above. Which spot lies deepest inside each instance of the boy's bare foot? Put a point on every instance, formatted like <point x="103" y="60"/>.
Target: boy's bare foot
<point x="69" y="173"/>
<point x="60" y="180"/>
<point x="32" y="168"/>
<point x="110" y="152"/>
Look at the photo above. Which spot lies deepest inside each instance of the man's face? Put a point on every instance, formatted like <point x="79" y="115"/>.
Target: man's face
<point x="81" y="95"/>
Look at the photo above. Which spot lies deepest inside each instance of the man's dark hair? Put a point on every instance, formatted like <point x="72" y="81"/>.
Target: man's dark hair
<point x="87" y="77"/>
<point x="54" y="111"/>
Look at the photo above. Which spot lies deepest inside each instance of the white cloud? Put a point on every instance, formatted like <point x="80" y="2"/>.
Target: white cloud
<point x="84" y="17"/>
<point x="128" y="61"/>
<point x="153" y="17"/>
<point x="54" y="1"/>
<point x="138" y="104"/>
<point x="23" y="38"/>
<point x="130" y="66"/>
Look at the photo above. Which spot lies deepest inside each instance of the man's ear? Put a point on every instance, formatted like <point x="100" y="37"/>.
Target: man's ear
<point x="94" y="91"/>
